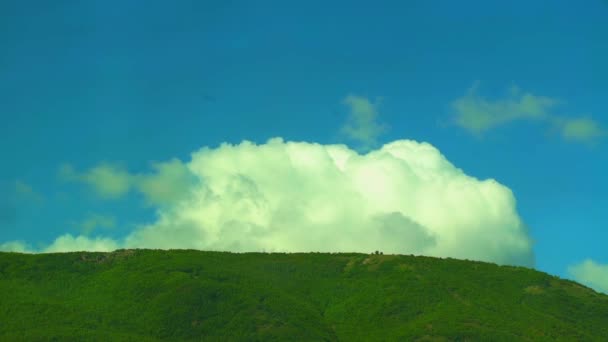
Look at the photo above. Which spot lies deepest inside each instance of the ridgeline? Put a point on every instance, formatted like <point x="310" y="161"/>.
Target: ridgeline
<point x="188" y="295"/>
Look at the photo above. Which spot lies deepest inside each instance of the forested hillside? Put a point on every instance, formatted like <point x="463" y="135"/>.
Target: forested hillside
<point x="188" y="295"/>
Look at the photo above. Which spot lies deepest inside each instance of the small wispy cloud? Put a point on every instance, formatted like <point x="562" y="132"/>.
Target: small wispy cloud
<point x="592" y="274"/>
<point x="584" y="129"/>
<point x="108" y="180"/>
<point x="478" y="114"/>
<point x="168" y="182"/>
<point x="94" y="222"/>
<point x="8" y="213"/>
<point x="14" y="195"/>
<point x="362" y="125"/>
<point x="25" y="191"/>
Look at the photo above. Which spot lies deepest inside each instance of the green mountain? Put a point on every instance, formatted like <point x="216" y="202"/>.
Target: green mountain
<point x="188" y="295"/>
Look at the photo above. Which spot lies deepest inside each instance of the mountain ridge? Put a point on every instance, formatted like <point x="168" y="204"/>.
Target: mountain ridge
<point x="189" y="295"/>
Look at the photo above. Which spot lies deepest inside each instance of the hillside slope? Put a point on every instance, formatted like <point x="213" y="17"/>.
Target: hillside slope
<point x="155" y="295"/>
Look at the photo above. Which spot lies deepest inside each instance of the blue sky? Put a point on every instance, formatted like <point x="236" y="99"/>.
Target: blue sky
<point x="511" y="91"/>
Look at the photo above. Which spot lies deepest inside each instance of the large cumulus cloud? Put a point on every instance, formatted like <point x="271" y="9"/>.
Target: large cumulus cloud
<point x="292" y="196"/>
<point x="404" y="197"/>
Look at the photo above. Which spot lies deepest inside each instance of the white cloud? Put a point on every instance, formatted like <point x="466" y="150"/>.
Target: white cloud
<point x="65" y="243"/>
<point x="582" y="129"/>
<point x="108" y="180"/>
<point x="478" y="114"/>
<point x="362" y="125"/>
<point x="405" y="197"/>
<point x="592" y="274"/>
<point x="95" y="221"/>
<point x="68" y="243"/>
<point x="167" y="184"/>
<point x="171" y="181"/>
<point x="15" y="246"/>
